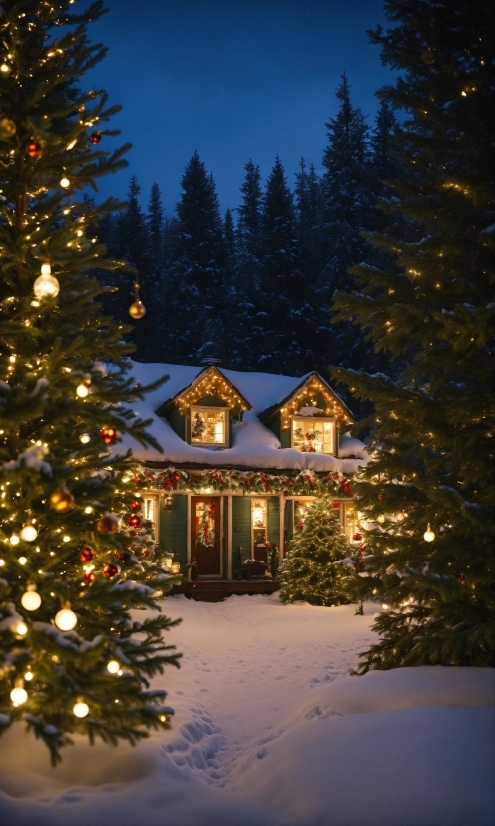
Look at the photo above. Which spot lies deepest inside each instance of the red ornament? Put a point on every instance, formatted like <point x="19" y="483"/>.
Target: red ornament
<point x="89" y="578"/>
<point x="136" y="505"/>
<point x="95" y="137"/>
<point x="137" y="480"/>
<point x="110" y="570"/>
<point x="34" y="149"/>
<point x="86" y="555"/>
<point x="109" y="523"/>
<point x="380" y="498"/>
<point x="109" y="435"/>
<point x="124" y="557"/>
<point x="335" y="505"/>
<point x="134" y="521"/>
<point x="357" y="537"/>
<point x="147" y="552"/>
<point x="461" y="579"/>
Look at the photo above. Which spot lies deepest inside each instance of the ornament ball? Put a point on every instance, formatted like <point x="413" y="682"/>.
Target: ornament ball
<point x="7" y="127"/>
<point x="108" y="523"/>
<point x="89" y="577"/>
<point x="135" y="505"/>
<point x="109" y="435"/>
<point x="34" y="149"/>
<point x="134" y="521"/>
<point x="61" y="500"/>
<point x="86" y="555"/>
<point x="137" y="309"/>
<point x="95" y="137"/>
<point x="110" y="570"/>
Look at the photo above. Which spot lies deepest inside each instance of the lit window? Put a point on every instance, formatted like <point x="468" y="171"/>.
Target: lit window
<point x="314" y="435"/>
<point x="258" y="518"/>
<point x="209" y="426"/>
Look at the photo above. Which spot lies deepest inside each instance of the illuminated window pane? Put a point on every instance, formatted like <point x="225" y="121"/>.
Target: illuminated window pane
<point x="208" y="426"/>
<point x="313" y="435"/>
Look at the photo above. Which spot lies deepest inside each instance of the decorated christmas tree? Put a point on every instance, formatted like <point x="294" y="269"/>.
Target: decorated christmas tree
<point x="429" y="488"/>
<point x="71" y="659"/>
<point x="320" y="566"/>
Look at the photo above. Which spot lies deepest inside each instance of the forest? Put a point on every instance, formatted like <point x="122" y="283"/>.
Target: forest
<point x="253" y="288"/>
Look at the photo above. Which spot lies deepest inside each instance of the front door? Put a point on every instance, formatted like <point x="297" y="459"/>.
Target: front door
<point x="205" y="537"/>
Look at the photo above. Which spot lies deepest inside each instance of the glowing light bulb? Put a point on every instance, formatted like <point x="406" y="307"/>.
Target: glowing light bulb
<point x="113" y="667"/>
<point x="46" y="285"/>
<point x="29" y="533"/>
<point x="14" y="539"/>
<point x="28" y="676"/>
<point x="21" y="628"/>
<point x="65" y="619"/>
<point x="22" y="560"/>
<point x="384" y="605"/>
<point x="18" y="696"/>
<point x="82" y="390"/>
<point x="65" y="182"/>
<point x="31" y="600"/>
<point x="428" y="535"/>
<point x="81" y="709"/>
<point x="85" y="438"/>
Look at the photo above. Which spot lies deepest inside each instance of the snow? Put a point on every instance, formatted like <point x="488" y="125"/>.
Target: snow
<point x="32" y="458"/>
<point x="271" y="730"/>
<point x="254" y="445"/>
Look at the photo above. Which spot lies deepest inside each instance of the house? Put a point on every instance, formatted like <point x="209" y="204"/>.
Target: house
<point x="243" y="455"/>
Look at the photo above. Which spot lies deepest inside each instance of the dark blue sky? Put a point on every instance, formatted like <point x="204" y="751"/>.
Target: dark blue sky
<point x="233" y="79"/>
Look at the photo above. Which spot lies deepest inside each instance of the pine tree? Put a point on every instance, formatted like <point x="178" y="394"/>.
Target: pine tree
<point x="431" y="433"/>
<point x="195" y="281"/>
<point x="69" y="655"/>
<point x="320" y="564"/>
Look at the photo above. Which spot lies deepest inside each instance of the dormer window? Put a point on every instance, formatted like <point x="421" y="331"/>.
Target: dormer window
<point x="313" y="434"/>
<point x="209" y="426"/>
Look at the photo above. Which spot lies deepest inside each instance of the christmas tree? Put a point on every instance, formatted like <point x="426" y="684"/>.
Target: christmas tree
<point x="320" y="566"/>
<point x="71" y="658"/>
<point x="429" y="487"/>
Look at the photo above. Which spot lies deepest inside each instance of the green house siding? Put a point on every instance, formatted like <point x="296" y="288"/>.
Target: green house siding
<point x="274" y="520"/>
<point x="241" y="528"/>
<point x="177" y="422"/>
<point x="173" y="527"/>
<point x="288" y="522"/>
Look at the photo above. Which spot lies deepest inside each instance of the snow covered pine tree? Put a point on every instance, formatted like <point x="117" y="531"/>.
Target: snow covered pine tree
<point x="71" y="660"/>
<point x="320" y="566"/>
<point x="432" y="309"/>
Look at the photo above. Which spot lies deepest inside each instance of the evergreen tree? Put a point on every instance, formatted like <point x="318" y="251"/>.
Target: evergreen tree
<point x="196" y="279"/>
<point x="229" y="240"/>
<point x="154" y="221"/>
<point x="320" y="563"/>
<point x="68" y="645"/>
<point x="431" y="433"/>
<point x="348" y="209"/>
<point x="244" y="329"/>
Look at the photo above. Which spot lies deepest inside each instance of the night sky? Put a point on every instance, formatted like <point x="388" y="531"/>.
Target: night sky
<point x="233" y="79"/>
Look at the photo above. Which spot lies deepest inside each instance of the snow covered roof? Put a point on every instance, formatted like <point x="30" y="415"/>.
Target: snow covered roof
<point x="220" y="386"/>
<point x="254" y="445"/>
<point x="307" y="380"/>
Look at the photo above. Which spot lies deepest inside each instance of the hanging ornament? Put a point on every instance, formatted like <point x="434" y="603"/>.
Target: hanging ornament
<point x="7" y="128"/>
<point x="46" y="285"/>
<point x="61" y="500"/>
<point x="110" y="570"/>
<point x="108" y="523"/>
<point x="427" y="57"/>
<point x="66" y="619"/>
<point x="34" y="149"/>
<point x="18" y="696"/>
<point x="86" y="555"/>
<point x="21" y="628"/>
<point x="89" y="577"/>
<point x="85" y="438"/>
<point x="82" y="389"/>
<point x="81" y="709"/>
<point x="428" y="535"/>
<point x="357" y="537"/>
<point x="134" y="521"/>
<point x="28" y="533"/>
<point x="64" y="182"/>
<point x="137" y="309"/>
<point x="31" y="600"/>
<point x="95" y="137"/>
<point x="135" y="505"/>
<point x="109" y="435"/>
<point x="113" y="666"/>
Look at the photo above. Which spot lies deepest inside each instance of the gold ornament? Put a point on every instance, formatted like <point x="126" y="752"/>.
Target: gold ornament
<point x="7" y="128"/>
<point x="61" y="500"/>
<point x="137" y="309"/>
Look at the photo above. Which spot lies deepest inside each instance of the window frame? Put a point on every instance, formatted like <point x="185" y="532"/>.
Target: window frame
<point x="313" y="419"/>
<point x="208" y="409"/>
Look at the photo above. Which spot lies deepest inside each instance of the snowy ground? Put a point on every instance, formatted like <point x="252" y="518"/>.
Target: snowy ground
<point x="271" y="730"/>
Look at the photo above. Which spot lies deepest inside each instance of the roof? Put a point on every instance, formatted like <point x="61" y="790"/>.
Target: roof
<point x="188" y="394"/>
<point x="254" y="445"/>
<point x="271" y="411"/>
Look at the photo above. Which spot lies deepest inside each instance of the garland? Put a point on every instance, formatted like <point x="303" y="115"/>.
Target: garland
<point x="299" y="483"/>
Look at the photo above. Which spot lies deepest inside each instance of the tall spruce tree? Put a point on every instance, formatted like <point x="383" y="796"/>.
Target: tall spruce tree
<point x="70" y="655"/>
<point x="196" y="278"/>
<point x="431" y="436"/>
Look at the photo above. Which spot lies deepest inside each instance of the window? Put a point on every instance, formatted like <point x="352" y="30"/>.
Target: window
<point x="259" y="510"/>
<point x="313" y="435"/>
<point x="150" y="511"/>
<point x="209" y="426"/>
